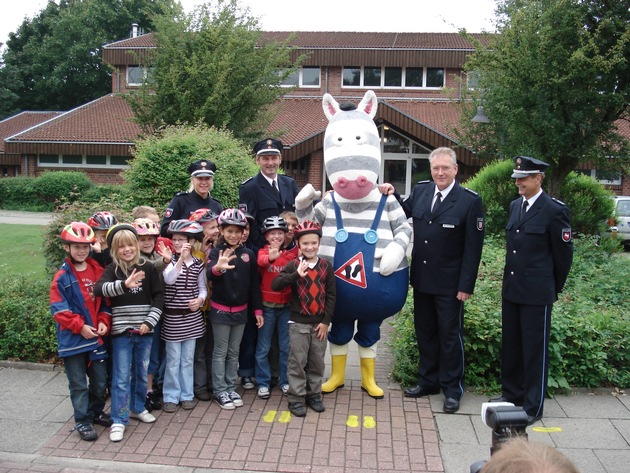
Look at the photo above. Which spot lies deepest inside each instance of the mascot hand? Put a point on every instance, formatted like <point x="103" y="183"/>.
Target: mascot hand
<point x="390" y="258"/>
<point x="306" y="197"/>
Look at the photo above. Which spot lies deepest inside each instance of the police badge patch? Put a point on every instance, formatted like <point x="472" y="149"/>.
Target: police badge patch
<point x="168" y="213"/>
<point x="566" y="235"/>
<point x="480" y="224"/>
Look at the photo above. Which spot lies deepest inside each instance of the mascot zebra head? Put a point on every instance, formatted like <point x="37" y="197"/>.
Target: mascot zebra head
<point x="352" y="147"/>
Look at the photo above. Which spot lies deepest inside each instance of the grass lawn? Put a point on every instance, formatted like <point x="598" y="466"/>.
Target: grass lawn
<point x="21" y="251"/>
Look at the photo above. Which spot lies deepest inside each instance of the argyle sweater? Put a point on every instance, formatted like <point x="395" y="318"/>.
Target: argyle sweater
<point x="313" y="296"/>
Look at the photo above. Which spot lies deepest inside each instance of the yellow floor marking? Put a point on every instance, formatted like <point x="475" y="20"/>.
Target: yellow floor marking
<point x="285" y="417"/>
<point x="369" y="422"/>
<point x="353" y="421"/>
<point x="270" y="416"/>
<point x="547" y="429"/>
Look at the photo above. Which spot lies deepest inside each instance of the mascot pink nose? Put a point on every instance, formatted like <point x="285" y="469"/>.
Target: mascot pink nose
<point x="353" y="189"/>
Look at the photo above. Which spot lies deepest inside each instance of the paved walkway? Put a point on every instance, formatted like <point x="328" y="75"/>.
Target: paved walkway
<point x="25" y="218"/>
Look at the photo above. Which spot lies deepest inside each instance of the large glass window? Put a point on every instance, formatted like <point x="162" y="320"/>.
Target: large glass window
<point x="136" y="74"/>
<point x="352" y="76"/>
<point x="304" y="77"/>
<point x="72" y="159"/>
<point x="373" y="76"/>
<point x="393" y="76"/>
<point x="435" y="77"/>
<point x="78" y="160"/>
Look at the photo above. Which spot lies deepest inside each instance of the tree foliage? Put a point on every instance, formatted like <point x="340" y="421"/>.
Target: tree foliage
<point x="554" y="81"/>
<point x="210" y="67"/>
<point x="53" y="60"/>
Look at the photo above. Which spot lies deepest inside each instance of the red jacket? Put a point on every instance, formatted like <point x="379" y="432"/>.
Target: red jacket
<point x="269" y="271"/>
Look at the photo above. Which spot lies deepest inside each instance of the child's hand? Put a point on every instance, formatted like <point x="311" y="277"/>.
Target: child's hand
<point x="260" y="320"/>
<point x="87" y="331"/>
<point x="135" y="279"/>
<point x="302" y="268"/>
<point x="225" y="256"/>
<point x="165" y="252"/>
<point x="195" y="304"/>
<point x="96" y="246"/>
<point x="207" y="244"/>
<point x="186" y="248"/>
<point x="322" y="331"/>
<point x="102" y="329"/>
<point x="274" y="252"/>
<point x="144" y="329"/>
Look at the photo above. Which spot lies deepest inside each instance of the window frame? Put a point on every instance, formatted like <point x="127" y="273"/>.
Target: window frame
<point x="83" y="164"/>
<point x="146" y="73"/>
<point x="300" y="84"/>
<point x="383" y="74"/>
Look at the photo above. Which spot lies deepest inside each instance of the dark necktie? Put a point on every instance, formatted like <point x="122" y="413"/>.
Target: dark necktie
<point x="438" y="201"/>
<point x="275" y="186"/>
<point x="523" y="209"/>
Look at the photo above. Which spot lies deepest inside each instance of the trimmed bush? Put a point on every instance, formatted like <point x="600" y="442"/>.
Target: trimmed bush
<point x="104" y="192"/>
<point x="18" y="193"/>
<point x="590" y="331"/>
<point x="159" y="169"/>
<point x="27" y="330"/>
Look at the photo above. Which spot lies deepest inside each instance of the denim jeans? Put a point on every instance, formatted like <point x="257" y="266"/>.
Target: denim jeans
<point x="88" y="401"/>
<point x="247" y="352"/>
<point x="227" y="341"/>
<point x="274" y="317"/>
<point x="157" y="360"/>
<point x="130" y="354"/>
<point x="178" y="376"/>
<point x="203" y="361"/>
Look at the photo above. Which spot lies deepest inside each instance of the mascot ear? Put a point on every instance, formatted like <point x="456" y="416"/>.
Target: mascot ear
<point x="369" y="104"/>
<point x="331" y="107"/>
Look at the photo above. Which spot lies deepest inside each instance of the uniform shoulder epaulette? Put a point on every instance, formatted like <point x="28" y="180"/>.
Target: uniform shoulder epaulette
<point x="558" y="201"/>
<point x="181" y="193"/>
<point x="423" y="182"/>
<point x="470" y="190"/>
<point x="247" y="180"/>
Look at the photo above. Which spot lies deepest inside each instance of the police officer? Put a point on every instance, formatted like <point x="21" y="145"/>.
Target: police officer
<point x="268" y="193"/>
<point x="448" y="229"/>
<point x="198" y="195"/>
<point x="539" y="253"/>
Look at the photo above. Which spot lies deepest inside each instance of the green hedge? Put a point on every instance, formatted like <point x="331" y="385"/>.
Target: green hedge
<point x="590" y="332"/>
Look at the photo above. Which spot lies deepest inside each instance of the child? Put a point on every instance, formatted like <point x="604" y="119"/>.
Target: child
<point x="312" y="304"/>
<point x="292" y="222"/>
<point x="135" y="290"/>
<point x="205" y="344"/>
<point x="185" y="289"/>
<point x="148" y="231"/>
<point x="271" y="260"/>
<point x="235" y="288"/>
<point x="144" y="211"/>
<point x="101" y="222"/>
<point x="81" y="319"/>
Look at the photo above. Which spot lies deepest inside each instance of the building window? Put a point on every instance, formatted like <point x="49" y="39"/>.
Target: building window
<point x="395" y="77"/>
<point x="48" y="159"/>
<point x="71" y="159"/>
<point x="305" y="77"/>
<point x="611" y="178"/>
<point x="96" y="160"/>
<point x="83" y="161"/>
<point x="137" y="74"/>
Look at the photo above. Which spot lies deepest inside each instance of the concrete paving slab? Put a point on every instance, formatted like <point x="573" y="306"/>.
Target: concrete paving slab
<point x="456" y="429"/>
<point x="586" y="433"/>
<point x="457" y="458"/>
<point x="29" y="437"/>
<point x="60" y="413"/>
<point x="593" y="406"/>
<point x="57" y="385"/>
<point x="29" y="406"/>
<point x="586" y="460"/>
<point x="614" y="461"/>
<point x="24" y="381"/>
<point x="623" y="426"/>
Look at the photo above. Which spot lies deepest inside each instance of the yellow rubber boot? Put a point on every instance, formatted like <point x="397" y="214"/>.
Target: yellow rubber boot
<point x="368" y="384"/>
<point x="339" y="354"/>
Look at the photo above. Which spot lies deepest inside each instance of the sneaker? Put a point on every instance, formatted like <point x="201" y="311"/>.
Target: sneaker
<point x="189" y="405"/>
<point x="224" y="401"/>
<point x="169" y="407"/>
<point x="263" y="392"/>
<point x="297" y="409"/>
<point x="285" y="389"/>
<point x="248" y="382"/>
<point x="204" y="395"/>
<point x="86" y="431"/>
<point x="235" y="398"/>
<point x="103" y="419"/>
<point x="315" y="403"/>
<point x="153" y="402"/>
<point x="143" y="416"/>
<point x="116" y="432"/>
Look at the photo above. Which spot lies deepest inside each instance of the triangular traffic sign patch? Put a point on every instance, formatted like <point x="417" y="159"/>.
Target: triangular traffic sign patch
<point x="353" y="271"/>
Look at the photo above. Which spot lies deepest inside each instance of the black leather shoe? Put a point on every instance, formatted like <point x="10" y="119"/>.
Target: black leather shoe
<point x="451" y="405"/>
<point x="315" y="403"/>
<point x="533" y="419"/>
<point x="297" y="409"/>
<point x="499" y="399"/>
<point x="420" y="391"/>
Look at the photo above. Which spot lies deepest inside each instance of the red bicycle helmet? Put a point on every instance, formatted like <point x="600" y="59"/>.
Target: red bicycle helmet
<point x="232" y="217"/>
<point x="203" y="215"/>
<point x="186" y="227"/>
<point x="102" y="221"/>
<point x="146" y="226"/>
<point x="307" y="227"/>
<point x="77" y="232"/>
<point x="274" y="223"/>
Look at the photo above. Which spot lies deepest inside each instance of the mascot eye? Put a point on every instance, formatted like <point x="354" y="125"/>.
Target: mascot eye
<point x="358" y="137"/>
<point x="339" y="138"/>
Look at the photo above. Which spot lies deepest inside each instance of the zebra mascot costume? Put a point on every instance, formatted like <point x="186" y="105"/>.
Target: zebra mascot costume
<point x="365" y="237"/>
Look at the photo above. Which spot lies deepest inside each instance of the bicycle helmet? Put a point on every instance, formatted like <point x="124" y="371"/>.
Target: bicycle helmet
<point x="232" y="217"/>
<point x="102" y="221"/>
<point x="77" y="232"/>
<point x="146" y="226"/>
<point x="185" y="227"/>
<point x="203" y="215"/>
<point x="274" y="223"/>
<point x="115" y="229"/>
<point x="307" y="227"/>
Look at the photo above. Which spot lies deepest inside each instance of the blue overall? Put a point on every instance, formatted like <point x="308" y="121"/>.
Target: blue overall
<point x="373" y="298"/>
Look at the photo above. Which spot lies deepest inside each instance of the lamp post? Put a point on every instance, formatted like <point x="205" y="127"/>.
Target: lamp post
<point x="481" y="116"/>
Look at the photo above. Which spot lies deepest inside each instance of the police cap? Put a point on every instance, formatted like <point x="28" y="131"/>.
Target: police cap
<point x="525" y="166"/>
<point x="201" y="168"/>
<point x="268" y="146"/>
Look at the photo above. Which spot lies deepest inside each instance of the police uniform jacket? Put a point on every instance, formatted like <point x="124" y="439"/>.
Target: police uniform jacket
<point x="447" y="245"/>
<point x="184" y="204"/>
<point x="261" y="201"/>
<point x="539" y="252"/>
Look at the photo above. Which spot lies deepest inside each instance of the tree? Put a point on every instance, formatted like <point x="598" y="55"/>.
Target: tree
<point x="553" y="82"/>
<point x="53" y="61"/>
<point x="210" y="67"/>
